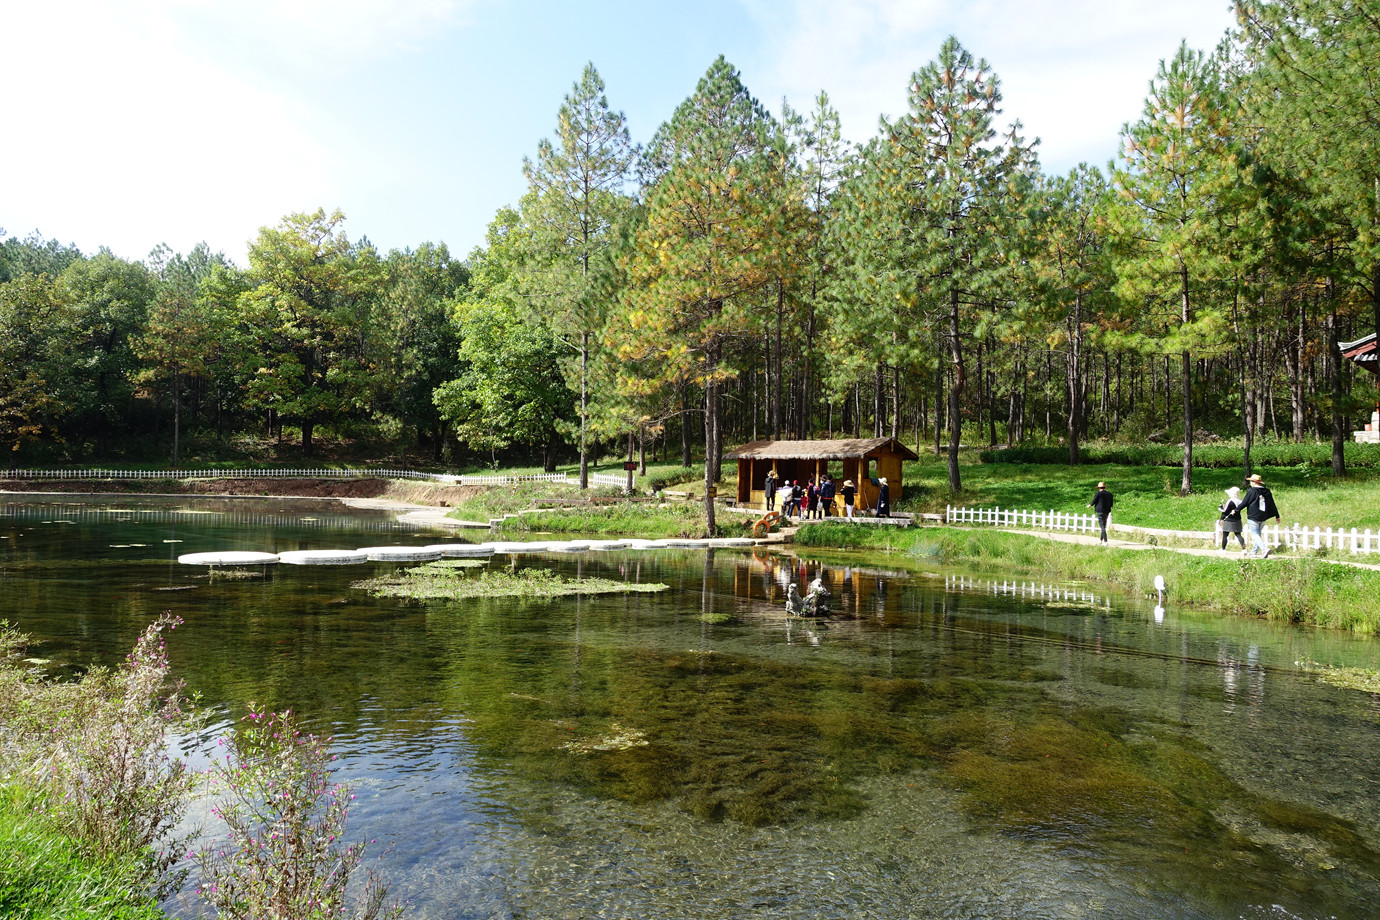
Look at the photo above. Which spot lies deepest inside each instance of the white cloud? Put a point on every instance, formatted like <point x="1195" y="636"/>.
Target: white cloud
<point x="1072" y="71"/>
<point x="121" y="126"/>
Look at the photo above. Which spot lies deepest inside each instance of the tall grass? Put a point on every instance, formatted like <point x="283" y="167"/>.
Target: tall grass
<point x="45" y="874"/>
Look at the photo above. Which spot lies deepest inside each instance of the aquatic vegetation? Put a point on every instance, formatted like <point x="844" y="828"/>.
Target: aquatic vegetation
<point x="1366" y="680"/>
<point x="445" y="580"/>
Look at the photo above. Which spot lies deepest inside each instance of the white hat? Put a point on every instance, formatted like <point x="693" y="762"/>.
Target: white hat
<point x="1233" y="493"/>
<point x="882" y="480"/>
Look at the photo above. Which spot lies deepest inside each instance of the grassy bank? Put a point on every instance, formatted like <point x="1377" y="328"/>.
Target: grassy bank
<point x="1286" y="590"/>
<point x="636" y="519"/>
<point x="1146" y="496"/>
<point x="44" y="874"/>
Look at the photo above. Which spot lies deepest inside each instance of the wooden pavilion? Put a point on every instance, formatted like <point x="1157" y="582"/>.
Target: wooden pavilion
<point x="1362" y="353"/>
<point x="863" y="460"/>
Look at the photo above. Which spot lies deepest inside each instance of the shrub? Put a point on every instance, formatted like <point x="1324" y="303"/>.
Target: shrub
<point x="96" y="750"/>
<point x="285" y="819"/>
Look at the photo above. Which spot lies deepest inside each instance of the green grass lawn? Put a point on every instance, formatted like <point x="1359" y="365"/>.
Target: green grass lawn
<point x="44" y="876"/>
<point x="1146" y="496"/>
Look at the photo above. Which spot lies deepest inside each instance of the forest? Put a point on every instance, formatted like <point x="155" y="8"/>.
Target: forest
<point x="746" y="274"/>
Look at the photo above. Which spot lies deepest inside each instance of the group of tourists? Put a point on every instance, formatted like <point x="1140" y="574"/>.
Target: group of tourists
<point x="1258" y="505"/>
<point x="814" y="498"/>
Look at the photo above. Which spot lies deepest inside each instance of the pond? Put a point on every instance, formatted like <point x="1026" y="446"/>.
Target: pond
<point x="948" y="744"/>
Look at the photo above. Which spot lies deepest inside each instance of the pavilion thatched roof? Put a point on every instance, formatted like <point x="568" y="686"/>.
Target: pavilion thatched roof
<point x="836" y="449"/>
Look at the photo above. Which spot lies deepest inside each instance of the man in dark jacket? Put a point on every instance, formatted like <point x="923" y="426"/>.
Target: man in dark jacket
<point x="826" y="496"/>
<point x="1101" y="504"/>
<point x="1260" y="507"/>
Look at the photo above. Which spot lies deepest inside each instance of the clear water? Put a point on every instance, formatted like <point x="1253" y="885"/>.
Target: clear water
<point x="949" y="745"/>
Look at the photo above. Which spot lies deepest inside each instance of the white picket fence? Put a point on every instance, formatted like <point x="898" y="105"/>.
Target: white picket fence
<point x="1013" y="517"/>
<point x="485" y="479"/>
<point x="1293" y="536"/>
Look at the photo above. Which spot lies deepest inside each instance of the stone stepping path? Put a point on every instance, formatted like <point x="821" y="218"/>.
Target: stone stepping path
<point x="452" y="550"/>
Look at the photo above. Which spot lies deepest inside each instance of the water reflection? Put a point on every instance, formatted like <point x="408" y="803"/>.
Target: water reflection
<point x="946" y="744"/>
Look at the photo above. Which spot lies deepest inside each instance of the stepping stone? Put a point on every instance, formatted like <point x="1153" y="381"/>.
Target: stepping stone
<point x="228" y="558"/>
<point x="323" y="557"/>
<point x="460" y="550"/>
<point x="609" y="544"/>
<point x="517" y="548"/>
<point x="401" y="553"/>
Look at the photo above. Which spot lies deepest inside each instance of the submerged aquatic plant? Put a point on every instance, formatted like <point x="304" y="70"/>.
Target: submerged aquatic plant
<point x="442" y="582"/>
<point x="1366" y="680"/>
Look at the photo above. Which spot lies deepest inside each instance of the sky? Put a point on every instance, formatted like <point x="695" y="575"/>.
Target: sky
<point x="130" y="123"/>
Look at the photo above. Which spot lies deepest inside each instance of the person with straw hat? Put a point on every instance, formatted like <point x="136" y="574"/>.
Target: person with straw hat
<point x="1260" y="507"/>
<point x="849" y="491"/>
<point x="1101" y="505"/>
<point x="1229" y="517"/>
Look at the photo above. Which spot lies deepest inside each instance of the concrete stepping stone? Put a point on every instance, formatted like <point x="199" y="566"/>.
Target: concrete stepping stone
<point x="401" y="553"/>
<point x="323" y="557"/>
<point x="228" y="558"/>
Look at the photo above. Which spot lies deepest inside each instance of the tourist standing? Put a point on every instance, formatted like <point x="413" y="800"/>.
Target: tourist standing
<point x="769" y="490"/>
<point x="796" y="494"/>
<point x="883" y="498"/>
<point x="1229" y="512"/>
<point x="826" y="497"/>
<point x="1260" y="507"/>
<point x="849" y="492"/>
<point x="1101" y="504"/>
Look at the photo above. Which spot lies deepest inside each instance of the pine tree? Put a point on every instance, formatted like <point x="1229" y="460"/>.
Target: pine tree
<point x="1176" y="183"/>
<point x="704" y="252"/>
<point x="943" y="205"/>
<point x="574" y="211"/>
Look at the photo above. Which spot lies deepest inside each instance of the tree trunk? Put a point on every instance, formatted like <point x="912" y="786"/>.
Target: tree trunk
<point x="1075" y="372"/>
<point x="711" y="445"/>
<point x="1334" y="360"/>
<point x="955" y="392"/>
<point x="584" y="410"/>
<point x="1186" y="483"/>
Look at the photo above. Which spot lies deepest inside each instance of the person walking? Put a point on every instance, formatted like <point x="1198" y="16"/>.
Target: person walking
<point x="883" y="498"/>
<point x="769" y="490"/>
<point x="1260" y="507"/>
<point x="811" y="499"/>
<point x="796" y="493"/>
<point x="826" y="496"/>
<point x="1229" y="513"/>
<point x="1101" y="504"/>
<point x="849" y="492"/>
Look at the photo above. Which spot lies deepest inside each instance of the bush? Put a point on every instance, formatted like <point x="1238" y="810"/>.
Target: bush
<point x="285" y="818"/>
<point x="96" y="751"/>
